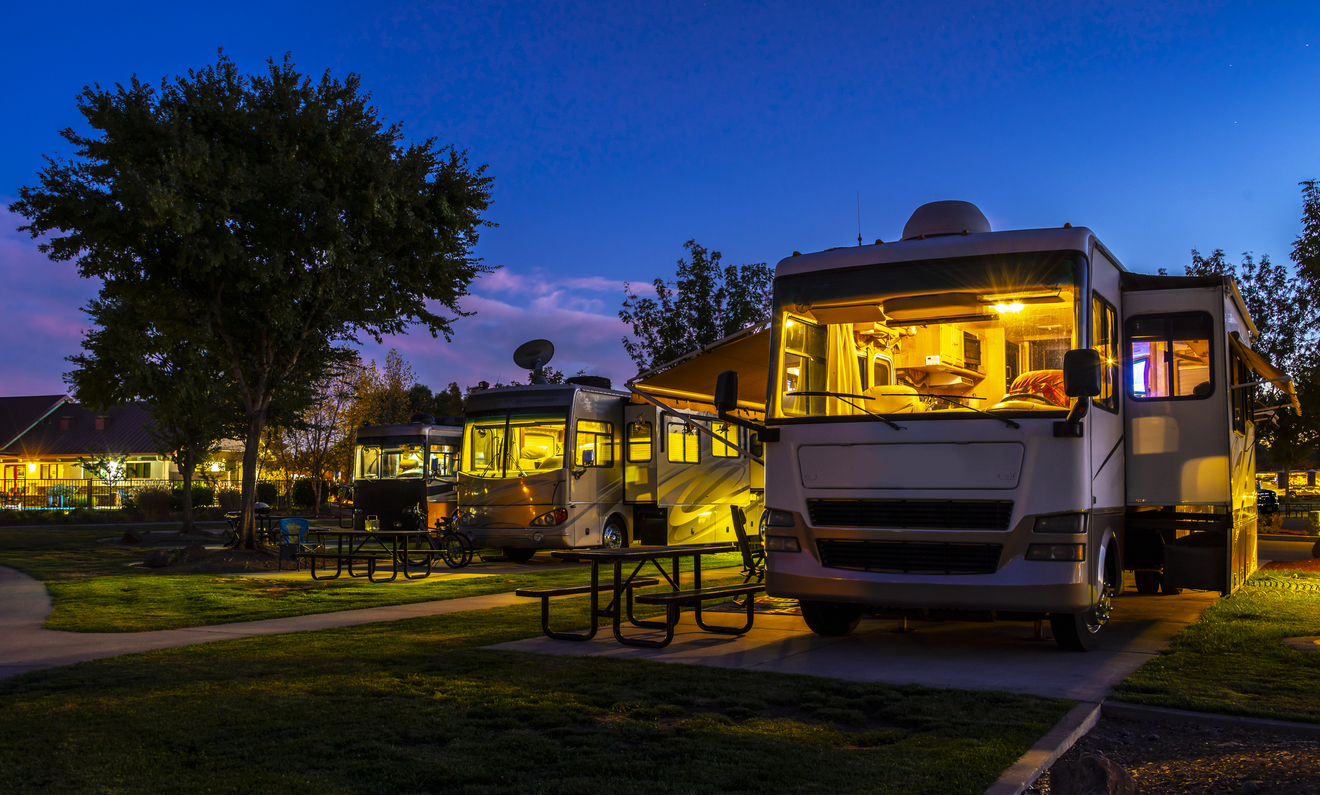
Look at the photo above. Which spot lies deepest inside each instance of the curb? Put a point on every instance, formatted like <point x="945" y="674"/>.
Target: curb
<point x="1024" y="772"/>
<point x="1140" y="713"/>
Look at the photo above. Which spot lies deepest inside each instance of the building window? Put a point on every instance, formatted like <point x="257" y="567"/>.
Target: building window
<point x="66" y="423"/>
<point x="100" y="423"/>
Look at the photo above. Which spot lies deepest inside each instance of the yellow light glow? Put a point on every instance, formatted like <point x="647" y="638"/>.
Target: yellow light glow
<point x="1007" y="308"/>
<point x="790" y="324"/>
<point x="32" y="467"/>
<point x="215" y="466"/>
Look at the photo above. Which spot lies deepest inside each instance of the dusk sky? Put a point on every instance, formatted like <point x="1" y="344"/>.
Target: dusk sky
<point x="615" y="132"/>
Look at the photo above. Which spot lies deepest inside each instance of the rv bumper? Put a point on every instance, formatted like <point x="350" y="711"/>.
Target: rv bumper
<point x="837" y="586"/>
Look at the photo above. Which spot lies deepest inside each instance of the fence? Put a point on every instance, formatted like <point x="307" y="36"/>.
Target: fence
<point x="31" y="494"/>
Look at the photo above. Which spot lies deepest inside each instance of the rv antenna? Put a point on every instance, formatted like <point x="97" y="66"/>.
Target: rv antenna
<point x="859" y="218"/>
<point x="534" y="356"/>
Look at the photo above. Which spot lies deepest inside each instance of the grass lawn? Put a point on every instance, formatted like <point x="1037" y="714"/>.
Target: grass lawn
<point x="418" y="706"/>
<point x="1231" y="661"/>
<point x="94" y="591"/>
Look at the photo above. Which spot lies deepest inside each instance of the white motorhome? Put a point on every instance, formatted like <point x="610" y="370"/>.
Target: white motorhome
<point x="968" y="422"/>
<point x="578" y="464"/>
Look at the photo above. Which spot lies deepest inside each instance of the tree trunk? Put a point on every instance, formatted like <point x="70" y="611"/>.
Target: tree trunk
<point x="251" y="451"/>
<point x="189" y="466"/>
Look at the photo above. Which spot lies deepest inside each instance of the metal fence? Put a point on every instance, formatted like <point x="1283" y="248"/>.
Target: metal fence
<point x="32" y="494"/>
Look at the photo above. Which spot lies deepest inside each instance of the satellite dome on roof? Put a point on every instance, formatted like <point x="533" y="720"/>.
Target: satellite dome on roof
<point x="945" y="218"/>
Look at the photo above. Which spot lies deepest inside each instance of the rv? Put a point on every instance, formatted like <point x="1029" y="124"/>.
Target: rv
<point x="579" y="464"/>
<point x="999" y="424"/>
<point x="398" y="469"/>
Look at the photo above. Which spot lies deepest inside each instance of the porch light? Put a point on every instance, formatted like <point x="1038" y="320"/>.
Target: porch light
<point x="32" y="468"/>
<point x="1003" y="308"/>
<point x="215" y="466"/>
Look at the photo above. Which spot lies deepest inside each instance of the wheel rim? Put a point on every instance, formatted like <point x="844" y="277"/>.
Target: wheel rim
<point x="611" y="536"/>
<point x="1098" y="617"/>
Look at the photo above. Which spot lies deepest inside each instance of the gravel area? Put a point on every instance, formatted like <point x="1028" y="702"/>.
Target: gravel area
<point x="1169" y="758"/>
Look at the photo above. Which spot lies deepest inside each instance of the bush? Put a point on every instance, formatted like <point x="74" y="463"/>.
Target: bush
<point x="304" y="496"/>
<point x="202" y="496"/>
<point x="229" y="499"/>
<point x="266" y="492"/>
<point x="153" y="500"/>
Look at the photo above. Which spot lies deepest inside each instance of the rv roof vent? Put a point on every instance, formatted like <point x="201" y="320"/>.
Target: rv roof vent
<point x="599" y="381"/>
<point x="424" y="419"/>
<point x="945" y="218"/>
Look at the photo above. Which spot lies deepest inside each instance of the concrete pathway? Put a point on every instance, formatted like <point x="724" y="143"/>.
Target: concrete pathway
<point x="26" y="646"/>
<point x="972" y="656"/>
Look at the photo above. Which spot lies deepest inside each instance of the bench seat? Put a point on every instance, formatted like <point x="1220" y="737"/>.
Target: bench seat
<point x="547" y="591"/>
<point x="698" y="596"/>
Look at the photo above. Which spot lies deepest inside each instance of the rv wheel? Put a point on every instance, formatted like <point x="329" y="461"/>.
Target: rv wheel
<point x="614" y="535"/>
<point x="518" y="554"/>
<point x="831" y="619"/>
<point x="1148" y="581"/>
<point x="1084" y="631"/>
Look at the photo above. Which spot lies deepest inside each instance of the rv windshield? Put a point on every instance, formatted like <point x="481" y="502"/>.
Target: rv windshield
<point x="377" y="459"/>
<point x="500" y="444"/>
<point x="927" y="339"/>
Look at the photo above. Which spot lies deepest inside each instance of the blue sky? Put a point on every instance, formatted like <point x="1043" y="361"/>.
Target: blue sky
<point x="615" y="132"/>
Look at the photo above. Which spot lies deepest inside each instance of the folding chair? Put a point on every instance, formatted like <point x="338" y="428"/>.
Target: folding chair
<point x="753" y="550"/>
<point x="293" y="539"/>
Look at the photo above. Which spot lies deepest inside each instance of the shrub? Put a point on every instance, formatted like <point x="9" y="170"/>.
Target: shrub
<point x="304" y="496"/>
<point x="266" y="492"/>
<point x="153" y="500"/>
<point x="229" y="499"/>
<point x="202" y="496"/>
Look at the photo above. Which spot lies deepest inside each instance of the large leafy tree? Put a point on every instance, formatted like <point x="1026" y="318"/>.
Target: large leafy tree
<point x="278" y="214"/>
<point x="704" y="302"/>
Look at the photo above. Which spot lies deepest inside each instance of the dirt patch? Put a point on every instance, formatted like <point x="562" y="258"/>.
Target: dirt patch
<point x="225" y="561"/>
<point x="1312" y="565"/>
<point x="1169" y="758"/>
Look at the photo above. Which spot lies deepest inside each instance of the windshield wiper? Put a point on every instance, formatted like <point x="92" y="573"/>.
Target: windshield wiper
<point x="955" y="402"/>
<point x="843" y="395"/>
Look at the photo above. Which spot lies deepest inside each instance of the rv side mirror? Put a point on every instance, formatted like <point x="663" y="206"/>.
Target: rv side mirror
<point x="1081" y="372"/>
<point x="726" y="391"/>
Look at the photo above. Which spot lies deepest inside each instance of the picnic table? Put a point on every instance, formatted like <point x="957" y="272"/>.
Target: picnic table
<point x="621" y="590"/>
<point x="373" y="547"/>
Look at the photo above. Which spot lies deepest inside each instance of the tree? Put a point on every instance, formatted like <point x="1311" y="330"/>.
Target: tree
<point x="132" y="355"/>
<point x="279" y="215"/>
<point x="704" y="303"/>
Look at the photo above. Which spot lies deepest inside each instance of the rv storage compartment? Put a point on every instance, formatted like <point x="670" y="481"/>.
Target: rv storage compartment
<point x="650" y="525"/>
<point x="1198" y="561"/>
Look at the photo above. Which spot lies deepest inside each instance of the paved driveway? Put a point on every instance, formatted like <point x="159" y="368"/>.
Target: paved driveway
<point x="993" y="656"/>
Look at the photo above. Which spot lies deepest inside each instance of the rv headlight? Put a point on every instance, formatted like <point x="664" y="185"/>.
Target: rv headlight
<point x="1065" y="552"/>
<point x="1061" y="523"/>
<point x="782" y="544"/>
<point x="557" y="516"/>
<point x="467" y="516"/>
<point x="777" y="518"/>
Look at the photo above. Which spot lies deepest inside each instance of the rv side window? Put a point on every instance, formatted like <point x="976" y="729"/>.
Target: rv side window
<point x="1104" y="338"/>
<point x="595" y="444"/>
<point x="1170" y="356"/>
<point x="683" y="443"/>
<point x="804" y="366"/>
<point x="639" y="442"/>
<point x="443" y="461"/>
<point x="1243" y="398"/>
<point x="729" y="433"/>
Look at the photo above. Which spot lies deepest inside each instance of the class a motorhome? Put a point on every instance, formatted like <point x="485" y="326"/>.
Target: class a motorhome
<point x="397" y="468"/>
<point x="976" y="423"/>
<point x="580" y="464"/>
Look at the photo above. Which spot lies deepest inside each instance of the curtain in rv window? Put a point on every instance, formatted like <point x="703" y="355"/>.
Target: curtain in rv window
<point x="728" y="432"/>
<point x="639" y="442"/>
<point x="682" y="443"/>
<point x="595" y="444"/>
<point x="1170" y="356"/>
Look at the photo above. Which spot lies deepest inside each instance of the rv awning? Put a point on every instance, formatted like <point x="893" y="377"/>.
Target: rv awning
<point x="1267" y="371"/>
<point x="693" y="376"/>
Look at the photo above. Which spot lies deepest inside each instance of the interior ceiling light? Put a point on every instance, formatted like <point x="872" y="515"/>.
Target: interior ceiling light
<point x="1002" y="308"/>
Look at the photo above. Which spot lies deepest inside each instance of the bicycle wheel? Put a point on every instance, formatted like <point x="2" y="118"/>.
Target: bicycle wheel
<point x="456" y="550"/>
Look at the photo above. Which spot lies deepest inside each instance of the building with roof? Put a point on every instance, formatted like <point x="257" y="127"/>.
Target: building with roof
<point x="45" y="439"/>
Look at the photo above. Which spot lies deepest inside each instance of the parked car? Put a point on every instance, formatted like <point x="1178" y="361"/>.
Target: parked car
<point x="1267" y="501"/>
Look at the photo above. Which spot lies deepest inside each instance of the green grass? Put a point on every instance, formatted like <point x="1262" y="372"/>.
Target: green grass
<point x="417" y="706"/>
<point x="1232" y="662"/>
<point x="93" y="590"/>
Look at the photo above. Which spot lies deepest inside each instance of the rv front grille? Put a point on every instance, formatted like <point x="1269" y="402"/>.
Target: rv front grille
<point x="912" y="514"/>
<point x="910" y="557"/>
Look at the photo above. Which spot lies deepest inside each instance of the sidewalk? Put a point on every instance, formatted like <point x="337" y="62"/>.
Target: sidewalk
<point x="26" y="646"/>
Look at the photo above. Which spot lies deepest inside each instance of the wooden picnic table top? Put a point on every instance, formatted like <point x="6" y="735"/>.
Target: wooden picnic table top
<point x="644" y="553"/>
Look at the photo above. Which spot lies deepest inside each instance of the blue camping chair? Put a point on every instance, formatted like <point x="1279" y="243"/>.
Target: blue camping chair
<point x="293" y="539"/>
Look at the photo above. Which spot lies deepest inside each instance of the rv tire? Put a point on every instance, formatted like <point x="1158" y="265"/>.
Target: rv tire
<point x="518" y="554"/>
<point x="1148" y="581"/>
<point x="614" y="535"/>
<point x="1084" y="631"/>
<point x="830" y="619"/>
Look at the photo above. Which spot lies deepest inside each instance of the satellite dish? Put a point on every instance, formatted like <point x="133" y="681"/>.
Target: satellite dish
<point x="534" y="356"/>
